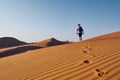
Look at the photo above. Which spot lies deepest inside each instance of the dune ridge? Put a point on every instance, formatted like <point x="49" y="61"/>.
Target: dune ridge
<point x="93" y="59"/>
<point x="10" y="42"/>
<point x="50" y="42"/>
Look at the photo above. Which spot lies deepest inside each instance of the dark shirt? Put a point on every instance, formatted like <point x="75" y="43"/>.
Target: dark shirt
<point x="80" y="30"/>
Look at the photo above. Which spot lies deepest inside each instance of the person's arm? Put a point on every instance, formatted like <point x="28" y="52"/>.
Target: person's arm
<point x="77" y="31"/>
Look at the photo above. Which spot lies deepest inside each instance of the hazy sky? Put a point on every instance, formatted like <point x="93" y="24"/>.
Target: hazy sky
<point x="36" y="20"/>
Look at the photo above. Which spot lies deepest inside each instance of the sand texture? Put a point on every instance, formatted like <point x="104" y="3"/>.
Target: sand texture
<point x="93" y="59"/>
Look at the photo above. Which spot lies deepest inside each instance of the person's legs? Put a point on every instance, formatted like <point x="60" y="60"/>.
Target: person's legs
<point x="80" y="36"/>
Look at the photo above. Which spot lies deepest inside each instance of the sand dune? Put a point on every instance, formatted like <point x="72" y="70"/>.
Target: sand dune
<point x="50" y="42"/>
<point x="10" y="42"/>
<point x="93" y="59"/>
<point x="11" y="46"/>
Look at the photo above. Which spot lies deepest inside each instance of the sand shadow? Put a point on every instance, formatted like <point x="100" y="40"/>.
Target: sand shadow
<point x="17" y="50"/>
<point x="10" y="45"/>
<point x="55" y="43"/>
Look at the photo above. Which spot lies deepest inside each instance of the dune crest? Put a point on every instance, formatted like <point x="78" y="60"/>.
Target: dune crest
<point x="10" y="42"/>
<point x="50" y="42"/>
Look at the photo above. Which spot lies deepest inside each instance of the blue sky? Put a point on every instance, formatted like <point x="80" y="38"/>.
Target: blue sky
<point x="36" y="20"/>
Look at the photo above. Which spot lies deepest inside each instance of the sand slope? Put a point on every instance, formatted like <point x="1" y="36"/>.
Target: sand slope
<point x="94" y="59"/>
<point x="5" y="52"/>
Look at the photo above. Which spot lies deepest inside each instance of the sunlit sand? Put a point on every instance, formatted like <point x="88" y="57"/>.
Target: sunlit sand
<point x="93" y="59"/>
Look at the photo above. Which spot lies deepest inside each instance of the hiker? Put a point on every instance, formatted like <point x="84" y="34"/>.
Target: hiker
<point x="80" y="32"/>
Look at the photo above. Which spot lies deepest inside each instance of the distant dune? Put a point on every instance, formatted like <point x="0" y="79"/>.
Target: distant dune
<point x="11" y="46"/>
<point x="50" y="42"/>
<point x="10" y="42"/>
<point x="93" y="59"/>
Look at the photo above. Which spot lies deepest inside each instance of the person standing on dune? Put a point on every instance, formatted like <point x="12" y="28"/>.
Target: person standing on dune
<point x="80" y="31"/>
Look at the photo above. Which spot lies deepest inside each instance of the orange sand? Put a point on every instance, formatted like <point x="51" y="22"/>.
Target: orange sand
<point x="67" y="62"/>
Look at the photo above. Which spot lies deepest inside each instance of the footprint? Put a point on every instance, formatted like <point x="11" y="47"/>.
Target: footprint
<point x="86" y="61"/>
<point x="85" y="51"/>
<point x="101" y="73"/>
<point x="88" y="48"/>
<point x="97" y="70"/>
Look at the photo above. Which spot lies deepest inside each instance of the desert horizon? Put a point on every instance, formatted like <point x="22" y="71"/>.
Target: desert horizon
<point x="59" y="40"/>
